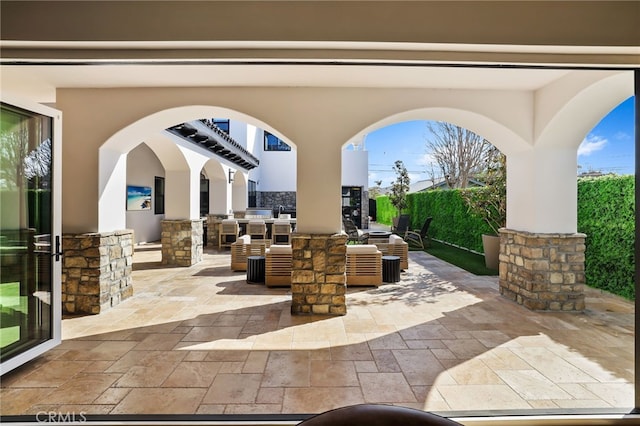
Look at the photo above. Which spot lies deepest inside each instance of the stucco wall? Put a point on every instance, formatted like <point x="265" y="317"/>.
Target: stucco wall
<point x="355" y="168"/>
<point x="142" y="167"/>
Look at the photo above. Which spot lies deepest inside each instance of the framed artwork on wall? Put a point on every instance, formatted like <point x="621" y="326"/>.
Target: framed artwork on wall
<point x="138" y="197"/>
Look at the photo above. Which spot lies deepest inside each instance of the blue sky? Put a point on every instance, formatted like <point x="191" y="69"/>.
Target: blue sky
<point x="609" y="147"/>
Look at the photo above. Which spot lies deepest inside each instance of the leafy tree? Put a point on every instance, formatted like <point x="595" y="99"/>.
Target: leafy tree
<point x="490" y="201"/>
<point x="400" y="187"/>
<point x="459" y="152"/>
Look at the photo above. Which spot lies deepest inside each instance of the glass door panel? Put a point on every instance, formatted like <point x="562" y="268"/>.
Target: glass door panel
<point x="27" y="290"/>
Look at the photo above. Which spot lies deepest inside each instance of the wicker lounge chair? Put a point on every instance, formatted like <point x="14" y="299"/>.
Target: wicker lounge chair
<point x="364" y="265"/>
<point x="278" y="266"/>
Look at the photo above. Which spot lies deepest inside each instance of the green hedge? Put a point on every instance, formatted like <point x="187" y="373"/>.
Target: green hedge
<point x="385" y="211"/>
<point x="452" y="222"/>
<point x="605" y="215"/>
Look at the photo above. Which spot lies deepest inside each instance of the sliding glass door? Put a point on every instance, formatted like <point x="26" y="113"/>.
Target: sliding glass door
<point x="29" y="232"/>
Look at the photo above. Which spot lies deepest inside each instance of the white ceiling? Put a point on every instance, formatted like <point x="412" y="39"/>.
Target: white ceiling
<point x="38" y="82"/>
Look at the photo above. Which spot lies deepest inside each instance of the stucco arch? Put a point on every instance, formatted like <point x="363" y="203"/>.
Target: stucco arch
<point x="239" y="191"/>
<point x="569" y="108"/>
<point x="218" y="194"/>
<point x="178" y="158"/>
<point x="500" y="135"/>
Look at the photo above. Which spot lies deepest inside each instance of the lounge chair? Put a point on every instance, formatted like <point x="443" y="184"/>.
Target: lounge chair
<point x="278" y="266"/>
<point x="364" y="265"/>
<point x="354" y="235"/>
<point x="244" y="248"/>
<point x="404" y="222"/>
<point x="419" y="237"/>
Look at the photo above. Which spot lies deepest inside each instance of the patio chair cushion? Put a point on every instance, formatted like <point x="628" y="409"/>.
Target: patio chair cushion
<point x="362" y="248"/>
<point x="395" y="239"/>
<point x="245" y="239"/>
<point x="280" y="249"/>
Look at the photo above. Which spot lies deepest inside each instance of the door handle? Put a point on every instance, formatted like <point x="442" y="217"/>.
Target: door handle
<point x="58" y="253"/>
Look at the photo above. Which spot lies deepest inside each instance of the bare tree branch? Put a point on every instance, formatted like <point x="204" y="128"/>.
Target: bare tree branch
<point x="459" y="152"/>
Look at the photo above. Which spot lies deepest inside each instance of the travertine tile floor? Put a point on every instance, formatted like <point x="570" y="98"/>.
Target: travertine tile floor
<point x="200" y="340"/>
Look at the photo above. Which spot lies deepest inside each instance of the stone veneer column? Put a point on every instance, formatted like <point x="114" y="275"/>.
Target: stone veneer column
<point x="318" y="281"/>
<point x="182" y="242"/>
<point x="543" y="271"/>
<point x="96" y="271"/>
<point x="213" y="229"/>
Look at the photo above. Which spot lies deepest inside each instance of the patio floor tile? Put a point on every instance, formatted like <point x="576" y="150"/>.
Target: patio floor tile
<point x="200" y="340"/>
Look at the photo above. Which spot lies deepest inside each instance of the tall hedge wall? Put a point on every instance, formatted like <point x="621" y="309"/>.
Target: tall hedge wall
<point x="452" y="222"/>
<point x="605" y="214"/>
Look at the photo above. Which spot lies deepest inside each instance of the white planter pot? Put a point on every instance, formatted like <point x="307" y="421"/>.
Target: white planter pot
<point x="491" y="245"/>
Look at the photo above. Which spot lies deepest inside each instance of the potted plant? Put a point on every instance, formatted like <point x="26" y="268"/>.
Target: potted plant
<point x="490" y="203"/>
<point x="399" y="189"/>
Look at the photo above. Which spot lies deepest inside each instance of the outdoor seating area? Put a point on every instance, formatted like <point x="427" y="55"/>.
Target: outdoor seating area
<point x="365" y="263"/>
<point x="200" y="340"/>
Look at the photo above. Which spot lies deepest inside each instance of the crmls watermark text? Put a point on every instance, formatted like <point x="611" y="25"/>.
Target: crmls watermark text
<point x="58" y="417"/>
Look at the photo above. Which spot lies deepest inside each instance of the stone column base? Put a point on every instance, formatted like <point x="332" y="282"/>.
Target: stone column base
<point x="182" y="242"/>
<point x="96" y="271"/>
<point x="213" y="229"/>
<point x="544" y="272"/>
<point x="318" y="281"/>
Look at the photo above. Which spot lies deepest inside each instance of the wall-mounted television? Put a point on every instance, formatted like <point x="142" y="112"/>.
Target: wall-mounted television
<point x="138" y="197"/>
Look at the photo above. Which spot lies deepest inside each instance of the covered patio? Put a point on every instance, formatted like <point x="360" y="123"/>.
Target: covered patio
<point x="202" y="341"/>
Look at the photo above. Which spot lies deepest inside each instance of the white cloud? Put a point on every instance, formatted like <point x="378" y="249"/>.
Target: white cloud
<point x="415" y="177"/>
<point x="426" y="160"/>
<point x="622" y="136"/>
<point x="591" y="144"/>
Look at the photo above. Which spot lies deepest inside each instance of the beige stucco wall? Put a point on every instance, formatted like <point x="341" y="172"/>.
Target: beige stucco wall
<point x="114" y="119"/>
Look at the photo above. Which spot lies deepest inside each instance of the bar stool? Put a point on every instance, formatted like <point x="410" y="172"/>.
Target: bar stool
<point x="281" y="232"/>
<point x="257" y="229"/>
<point x="228" y="232"/>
